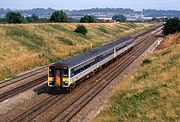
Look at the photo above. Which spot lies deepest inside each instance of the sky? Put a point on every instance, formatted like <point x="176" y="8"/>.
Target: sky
<point x="82" y="4"/>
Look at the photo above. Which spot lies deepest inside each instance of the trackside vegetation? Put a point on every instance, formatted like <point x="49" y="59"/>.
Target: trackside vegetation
<point x="152" y="92"/>
<point x="171" y="26"/>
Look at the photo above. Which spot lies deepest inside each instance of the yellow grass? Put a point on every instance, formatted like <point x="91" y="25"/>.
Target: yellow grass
<point x="25" y="46"/>
<point x="152" y="93"/>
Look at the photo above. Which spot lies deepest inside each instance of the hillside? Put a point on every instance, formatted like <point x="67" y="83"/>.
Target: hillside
<point x="152" y="92"/>
<point x="25" y="46"/>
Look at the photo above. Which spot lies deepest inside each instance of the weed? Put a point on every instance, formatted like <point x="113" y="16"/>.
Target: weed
<point x="60" y="28"/>
<point x="6" y="73"/>
<point x="163" y="53"/>
<point x="65" y="40"/>
<point x="146" y="61"/>
<point x="141" y="76"/>
<point x="103" y="30"/>
<point x="132" y="25"/>
<point x="172" y="62"/>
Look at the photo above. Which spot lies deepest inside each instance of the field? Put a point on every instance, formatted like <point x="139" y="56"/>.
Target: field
<point x="152" y="92"/>
<point x="25" y="46"/>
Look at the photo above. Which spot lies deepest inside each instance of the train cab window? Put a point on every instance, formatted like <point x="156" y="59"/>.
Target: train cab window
<point x="65" y="71"/>
<point x="51" y="71"/>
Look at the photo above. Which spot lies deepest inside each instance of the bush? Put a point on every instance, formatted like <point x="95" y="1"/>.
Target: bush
<point x="171" y="26"/>
<point x="146" y="61"/>
<point x="81" y="29"/>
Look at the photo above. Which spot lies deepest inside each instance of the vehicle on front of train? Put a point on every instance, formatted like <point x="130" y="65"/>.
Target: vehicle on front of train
<point x="58" y="76"/>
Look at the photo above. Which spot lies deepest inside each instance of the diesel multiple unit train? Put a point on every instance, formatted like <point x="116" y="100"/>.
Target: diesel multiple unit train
<point x="68" y="72"/>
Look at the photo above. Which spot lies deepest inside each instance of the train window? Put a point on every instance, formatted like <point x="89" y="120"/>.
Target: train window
<point x="65" y="71"/>
<point x="105" y="55"/>
<point x="82" y="67"/>
<point x="51" y="71"/>
<point x="120" y="47"/>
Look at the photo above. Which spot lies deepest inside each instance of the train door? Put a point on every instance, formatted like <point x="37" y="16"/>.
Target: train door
<point x="58" y="77"/>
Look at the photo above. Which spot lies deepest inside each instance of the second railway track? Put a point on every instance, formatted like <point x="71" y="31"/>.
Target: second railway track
<point x="23" y="76"/>
<point x="46" y="104"/>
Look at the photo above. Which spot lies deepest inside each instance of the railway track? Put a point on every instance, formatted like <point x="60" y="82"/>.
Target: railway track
<point x="47" y="103"/>
<point x="23" y="76"/>
<point x="71" y="110"/>
<point x="20" y="88"/>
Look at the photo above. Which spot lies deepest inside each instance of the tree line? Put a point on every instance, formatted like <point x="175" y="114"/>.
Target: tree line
<point x="171" y="26"/>
<point x="57" y="16"/>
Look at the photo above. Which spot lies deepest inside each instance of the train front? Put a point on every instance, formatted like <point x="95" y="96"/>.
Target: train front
<point x="58" y="76"/>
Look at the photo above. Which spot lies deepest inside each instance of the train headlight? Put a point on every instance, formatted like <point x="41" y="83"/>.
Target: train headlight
<point x="65" y="82"/>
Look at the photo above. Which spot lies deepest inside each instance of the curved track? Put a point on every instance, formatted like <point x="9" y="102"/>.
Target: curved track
<point x="79" y="101"/>
<point x="38" y="80"/>
<point x="72" y="109"/>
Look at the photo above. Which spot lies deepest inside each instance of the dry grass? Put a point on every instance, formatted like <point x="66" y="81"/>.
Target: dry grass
<point x="152" y="93"/>
<point x="25" y="46"/>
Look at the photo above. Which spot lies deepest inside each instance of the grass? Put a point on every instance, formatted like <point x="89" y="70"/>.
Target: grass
<point x="151" y="93"/>
<point x="27" y="39"/>
<point x="64" y="40"/>
<point x="25" y="46"/>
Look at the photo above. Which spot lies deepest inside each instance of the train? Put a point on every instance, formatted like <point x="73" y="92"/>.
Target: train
<point x="67" y="73"/>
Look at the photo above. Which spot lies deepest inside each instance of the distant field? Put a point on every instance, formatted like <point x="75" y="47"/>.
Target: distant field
<point x="25" y="46"/>
<point x="152" y="93"/>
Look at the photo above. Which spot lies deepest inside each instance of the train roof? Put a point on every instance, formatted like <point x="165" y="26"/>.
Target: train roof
<point x="82" y="57"/>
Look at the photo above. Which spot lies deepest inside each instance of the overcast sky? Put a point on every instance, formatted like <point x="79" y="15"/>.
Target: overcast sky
<point x="81" y="4"/>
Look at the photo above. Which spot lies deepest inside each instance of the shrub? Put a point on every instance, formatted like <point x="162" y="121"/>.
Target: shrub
<point x="146" y="61"/>
<point x="65" y="41"/>
<point x="81" y="29"/>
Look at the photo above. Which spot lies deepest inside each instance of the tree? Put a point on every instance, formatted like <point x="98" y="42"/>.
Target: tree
<point x="88" y="19"/>
<point x="119" y="18"/>
<point x="59" y="16"/>
<point x="81" y="29"/>
<point x="33" y="18"/>
<point x="171" y="26"/>
<point x="15" y="17"/>
<point x="3" y="20"/>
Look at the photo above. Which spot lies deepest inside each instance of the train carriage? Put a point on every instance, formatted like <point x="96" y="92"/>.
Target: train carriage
<point x="66" y="73"/>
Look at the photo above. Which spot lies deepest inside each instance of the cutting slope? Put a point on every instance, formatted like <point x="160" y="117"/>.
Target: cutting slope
<point x="152" y="93"/>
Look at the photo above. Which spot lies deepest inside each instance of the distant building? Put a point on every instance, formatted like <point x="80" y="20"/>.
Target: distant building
<point x="134" y="17"/>
<point x="106" y="19"/>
